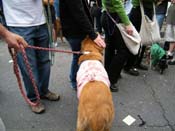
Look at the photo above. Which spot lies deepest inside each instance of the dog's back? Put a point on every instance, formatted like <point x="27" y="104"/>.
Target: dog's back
<point x="95" y="111"/>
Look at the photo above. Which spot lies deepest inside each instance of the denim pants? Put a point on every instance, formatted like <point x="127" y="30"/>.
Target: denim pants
<point x="56" y="5"/>
<point x="75" y="44"/>
<point x="160" y="19"/>
<point x="39" y="60"/>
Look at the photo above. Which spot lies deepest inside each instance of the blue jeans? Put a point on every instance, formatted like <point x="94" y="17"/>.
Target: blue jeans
<point x="75" y="44"/>
<point x="160" y="18"/>
<point x="39" y="60"/>
<point x="56" y="5"/>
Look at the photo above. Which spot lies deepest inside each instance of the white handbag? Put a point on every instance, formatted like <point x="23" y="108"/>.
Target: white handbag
<point x="149" y="31"/>
<point x="132" y="42"/>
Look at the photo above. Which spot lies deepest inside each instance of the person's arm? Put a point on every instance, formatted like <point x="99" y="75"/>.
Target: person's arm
<point x="13" y="40"/>
<point x="81" y="18"/>
<point x="119" y="7"/>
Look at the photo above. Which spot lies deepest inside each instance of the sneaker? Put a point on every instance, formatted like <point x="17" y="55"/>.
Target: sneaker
<point x="169" y="55"/>
<point x="38" y="109"/>
<point x="172" y="62"/>
<point x="132" y="71"/>
<point x="142" y="67"/>
<point x="51" y="96"/>
<point x="114" y="88"/>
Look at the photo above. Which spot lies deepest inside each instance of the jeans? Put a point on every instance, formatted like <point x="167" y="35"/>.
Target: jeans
<point x="160" y="18"/>
<point x="56" y="5"/>
<point x="39" y="60"/>
<point x="75" y="44"/>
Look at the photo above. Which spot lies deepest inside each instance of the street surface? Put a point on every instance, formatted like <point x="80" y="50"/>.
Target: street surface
<point x="150" y="95"/>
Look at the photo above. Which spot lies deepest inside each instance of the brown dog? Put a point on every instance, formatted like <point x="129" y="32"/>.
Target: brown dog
<point x="95" y="109"/>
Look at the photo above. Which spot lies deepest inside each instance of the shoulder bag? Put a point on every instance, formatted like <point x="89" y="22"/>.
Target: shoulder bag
<point x="149" y="31"/>
<point x="132" y="42"/>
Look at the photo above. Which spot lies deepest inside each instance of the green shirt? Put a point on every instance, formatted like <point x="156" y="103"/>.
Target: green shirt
<point x="116" y="6"/>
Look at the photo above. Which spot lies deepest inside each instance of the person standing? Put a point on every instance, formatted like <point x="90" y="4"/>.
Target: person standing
<point x="170" y="32"/>
<point x="134" y="62"/>
<point x="116" y="52"/>
<point x="27" y="19"/>
<point x="76" y="24"/>
<point x="161" y="9"/>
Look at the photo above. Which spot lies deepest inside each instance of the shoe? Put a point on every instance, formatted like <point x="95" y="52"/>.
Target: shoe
<point x="114" y="88"/>
<point x="142" y="67"/>
<point x="172" y="62"/>
<point x="51" y="96"/>
<point x="38" y="109"/>
<point x="132" y="71"/>
<point x="169" y="57"/>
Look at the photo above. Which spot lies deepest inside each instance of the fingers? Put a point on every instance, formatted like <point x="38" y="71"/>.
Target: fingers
<point x="130" y="32"/>
<point x="100" y="42"/>
<point x="23" y="42"/>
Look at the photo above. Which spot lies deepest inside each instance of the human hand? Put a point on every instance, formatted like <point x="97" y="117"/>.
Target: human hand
<point x="129" y="29"/>
<point x="99" y="41"/>
<point x="14" y="40"/>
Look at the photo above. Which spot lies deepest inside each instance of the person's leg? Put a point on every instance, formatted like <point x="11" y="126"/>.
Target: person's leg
<point x="160" y="19"/>
<point x="43" y="61"/>
<point x="139" y="64"/>
<point x="28" y="35"/>
<point x="75" y="44"/>
<point x="119" y="58"/>
<point x="129" y="67"/>
<point x="109" y="50"/>
<point x="56" y="6"/>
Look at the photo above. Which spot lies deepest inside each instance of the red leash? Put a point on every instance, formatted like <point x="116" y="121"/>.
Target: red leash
<point x="16" y="69"/>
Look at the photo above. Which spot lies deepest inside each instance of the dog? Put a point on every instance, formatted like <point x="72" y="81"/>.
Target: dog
<point x="95" y="109"/>
<point x="158" y="58"/>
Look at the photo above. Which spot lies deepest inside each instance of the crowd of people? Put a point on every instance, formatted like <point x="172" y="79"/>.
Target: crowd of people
<point x="26" y="24"/>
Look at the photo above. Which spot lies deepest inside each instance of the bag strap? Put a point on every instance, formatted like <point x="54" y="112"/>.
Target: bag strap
<point x="143" y="12"/>
<point x="115" y="22"/>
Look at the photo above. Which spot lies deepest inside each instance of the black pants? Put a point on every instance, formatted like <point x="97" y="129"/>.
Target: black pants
<point x="116" y="52"/>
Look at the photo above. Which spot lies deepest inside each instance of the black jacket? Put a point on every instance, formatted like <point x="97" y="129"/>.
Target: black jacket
<point x="76" y="19"/>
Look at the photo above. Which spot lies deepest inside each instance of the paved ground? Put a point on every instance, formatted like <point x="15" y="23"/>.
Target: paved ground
<point x="150" y="95"/>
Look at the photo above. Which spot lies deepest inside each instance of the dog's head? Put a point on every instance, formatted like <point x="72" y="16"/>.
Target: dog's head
<point x="94" y="52"/>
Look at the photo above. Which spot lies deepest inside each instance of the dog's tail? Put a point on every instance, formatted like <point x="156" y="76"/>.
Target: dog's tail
<point x="102" y="120"/>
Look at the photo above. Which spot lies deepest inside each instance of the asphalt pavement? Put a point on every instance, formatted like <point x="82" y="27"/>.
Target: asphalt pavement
<point x="149" y="99"/>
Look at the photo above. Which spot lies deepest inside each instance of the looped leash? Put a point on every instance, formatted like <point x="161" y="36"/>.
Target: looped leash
<point x="13" y="54"/>
<point x="16" y="71"/>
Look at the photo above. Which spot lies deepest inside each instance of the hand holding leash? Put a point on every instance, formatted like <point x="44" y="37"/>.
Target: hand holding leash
<point x="15" y="40"/>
